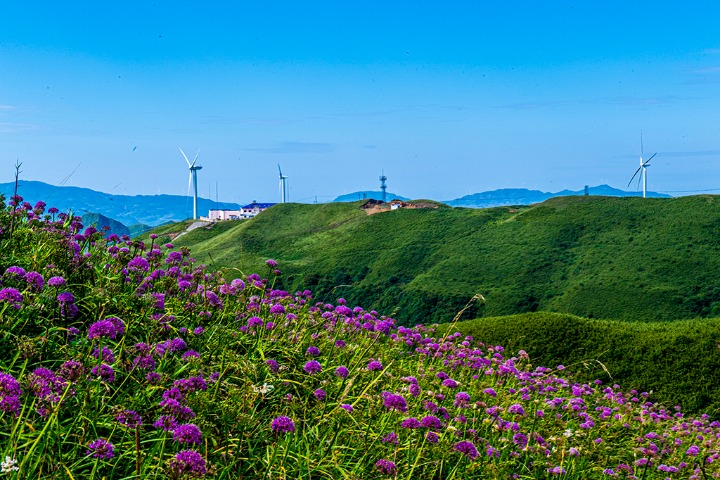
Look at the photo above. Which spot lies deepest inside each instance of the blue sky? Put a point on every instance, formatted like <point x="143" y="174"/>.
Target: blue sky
<point x="447" y="98"/>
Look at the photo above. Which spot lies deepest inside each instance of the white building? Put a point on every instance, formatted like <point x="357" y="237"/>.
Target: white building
<point x="248" y="211"/>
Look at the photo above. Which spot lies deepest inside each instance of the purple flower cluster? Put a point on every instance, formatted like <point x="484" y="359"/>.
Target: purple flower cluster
<point x="110" y="328"/>
<point x="9" y="394"/>
<point x="282" y="424"/>
<point x="393" y="401"/>
<point x="129" y="418"/>
<point x="187" y="433"/>
<point x="11" y="296"/>
<point x="312" y="367"/>
<point x="189" y="463"/>
<point x="101" y="449"/>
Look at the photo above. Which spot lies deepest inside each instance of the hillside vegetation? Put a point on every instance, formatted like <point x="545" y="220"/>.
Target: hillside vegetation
<point x="127" y="360"/>
<point x="597" y="257"/>
<point x="678" y="361"/>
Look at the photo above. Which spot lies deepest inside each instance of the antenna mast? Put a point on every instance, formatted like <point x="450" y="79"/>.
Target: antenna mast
<point x="383" y="186"/>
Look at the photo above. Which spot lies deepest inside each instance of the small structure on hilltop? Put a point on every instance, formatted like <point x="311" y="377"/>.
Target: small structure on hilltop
<point x="372" y="206"/>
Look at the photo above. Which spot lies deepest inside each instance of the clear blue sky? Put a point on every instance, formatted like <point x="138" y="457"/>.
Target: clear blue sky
<point x="447" y="97"/>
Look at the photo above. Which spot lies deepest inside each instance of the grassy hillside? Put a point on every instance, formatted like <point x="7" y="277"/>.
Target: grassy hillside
<point x="601" y="257"/>
<point x="124" y="360"/>
<point x="678" y="361"/>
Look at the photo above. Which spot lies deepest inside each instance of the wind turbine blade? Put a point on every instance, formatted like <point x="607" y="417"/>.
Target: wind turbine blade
<point x="183" y="154"/>
<point x="641" y="146"/>
<point x="279" y="171"/>
<point x="648" y="160"/>
<point x="633" y="177"/>
<point x="196" y="157"/>
<point x="189" y="182"/>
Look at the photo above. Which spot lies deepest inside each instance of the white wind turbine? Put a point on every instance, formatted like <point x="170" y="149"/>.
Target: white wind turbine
<point x="283" y="189"/>
<point x="192" y="179"/>
<point x="642" y="169"/>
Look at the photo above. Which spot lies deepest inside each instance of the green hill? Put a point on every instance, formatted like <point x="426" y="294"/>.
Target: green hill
<point x="601" y="257"/>
<point x="678" y="361"/>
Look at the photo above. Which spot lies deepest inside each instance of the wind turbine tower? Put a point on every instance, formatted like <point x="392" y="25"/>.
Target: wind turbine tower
<point x="192" y="179"/>
<point x="642" y="169"/>
<point x="383" y="186"/>
<point x="283" y="186"/>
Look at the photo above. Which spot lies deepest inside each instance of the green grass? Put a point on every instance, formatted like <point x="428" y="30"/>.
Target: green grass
<point x="597" y="257"/>
<point x="678" y="361"/>
<point x="124" y="360"/>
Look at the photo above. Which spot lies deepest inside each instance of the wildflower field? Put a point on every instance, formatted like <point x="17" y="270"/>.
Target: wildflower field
<point x="122" y="359"/>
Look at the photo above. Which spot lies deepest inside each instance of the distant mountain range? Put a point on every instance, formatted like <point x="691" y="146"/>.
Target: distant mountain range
<point x="137" y="212"/>
<point x="130" y="210"/>
<point x="523" y="196"/>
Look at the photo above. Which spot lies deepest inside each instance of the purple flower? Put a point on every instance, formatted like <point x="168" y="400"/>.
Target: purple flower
<point x="35" y="280"/>
<point x="254" y="322"/>
<point x="166" y="422"/>
<point x="187" y="433"/>
<point x="271" y="263"/>
<point x="462" y="399"/>
<point x="138" y="264"/>
<point x="105" y="372"/>
<point x="432" y="437"/>
<point x="102" y="328"/>
<point x="15" y="271"/>
<point x="129" y="419"/>
<point x="320" y="394"/>
<point x="273" y="365"/>
<point x="312" y="367"/>
<point x="101" y="449"/>
<point x="190" y="354"/>
<point x="313" y="351"/>
<point x="107" y="355"/>
<point x="71" y="370"/>
<point x="347" y="407"/>
<point x="385" y="467"/>
<point x="431" y="421"/>
<point x="467" y="448"/>
<point x="56" y="282"/>
<point x="693" y="451"/>
<point x="411" y="422"/>
<point x="11" y="296"/>
<point x="145" y="362"/>
<point x="282" y="425"/>
<point x="450" y="383"/>
<point x="277" y="309"/>
<point x="520" y="440"/>
<point x="556" y="471"/>
<point x="516" y="409"/>
<point x="374" y="366"/>
<point x="9" y="394"/>
<point x="188" y="462"/>
<point x="490" y="391"/>
<point x="65" y="298"/>
<point x="394" y="402"/>
<point x="390" y="438"/>
<point x="342" y="372"/>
